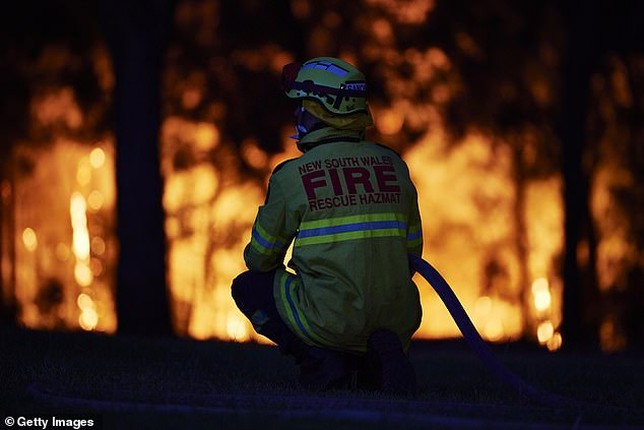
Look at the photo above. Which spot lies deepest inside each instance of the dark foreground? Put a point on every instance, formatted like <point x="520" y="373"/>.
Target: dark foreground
<point x="121" y="382"/>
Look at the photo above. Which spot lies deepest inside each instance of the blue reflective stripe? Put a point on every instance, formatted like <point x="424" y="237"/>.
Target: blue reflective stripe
<point x="261" y="241"/>
<point x="346" y="228"/>
<point x="326" y="65"/>
<point x="414" y="235"/>
<point x="353" y="227"/>
<point x="264" y="245"/>
<point x="291" y="304"/>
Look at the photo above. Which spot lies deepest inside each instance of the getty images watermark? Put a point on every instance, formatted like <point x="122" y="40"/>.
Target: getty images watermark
<point x="53" y="422"/>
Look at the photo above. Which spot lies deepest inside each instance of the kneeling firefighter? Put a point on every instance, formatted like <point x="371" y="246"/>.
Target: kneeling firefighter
<point x="346" y="307"/>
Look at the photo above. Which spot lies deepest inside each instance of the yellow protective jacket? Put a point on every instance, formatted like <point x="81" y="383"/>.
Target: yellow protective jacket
<point x="352" y="211"/>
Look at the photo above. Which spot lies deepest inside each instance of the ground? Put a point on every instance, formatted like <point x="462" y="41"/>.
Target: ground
<point x="125" y="382"/>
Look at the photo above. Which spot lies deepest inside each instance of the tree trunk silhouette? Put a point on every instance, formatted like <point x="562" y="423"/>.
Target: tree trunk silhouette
<point x="9" y="307"/>
<point x="521" y="241"/>
<point x="14" y="108"/>
<point x="4" y="296"/>
<point x="580" y="320"/>
<point x="137" y="34"/>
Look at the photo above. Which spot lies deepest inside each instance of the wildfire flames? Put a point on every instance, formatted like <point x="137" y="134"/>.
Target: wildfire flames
<point x="210" y="208"/>
<point x="498" y="245"/>
<point x="467" y="209"/>
<point x="65" y="248"/>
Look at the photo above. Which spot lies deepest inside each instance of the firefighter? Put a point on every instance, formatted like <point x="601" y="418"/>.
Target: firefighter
<point x="345" y="305"/>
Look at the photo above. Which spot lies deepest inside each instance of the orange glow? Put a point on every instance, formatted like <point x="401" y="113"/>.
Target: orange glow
<point x="389" y="122"/>
<point x="88" y="319"/>
<point x="407" y="12"/>
<point x="477" y="220"/>
<point x="547" y="336"/>
<point x="253" y="155"/>
<point x="541" y="293"/>
<point x="210" y="205"/>
<point x="206" y="137"/>
<point x="236" y="327"/>
<point x="616" y="249"/>
<point x="456" y="188"/>
<point x="77" y="209"/>
<point x="545" y="331"/>
<point x="97" y="158"/>
<point x="209" y="224"/>
<point x="29" y="239"/>
<point x="81" y="241"/>
<point x="62" y="252"/>
<point x="555" y="342"/>
<point x="58" y="107"/>
<point x="301" y="9"/>
<point x="95" y="200"/>
<point x="68" y="240"/>
<point x="467" y="44"/>
<point x="5" y="190"/>
<point x="191" y="98"/>
<point x="491" y="317"/>
<point x="382" y="30"/>
<point x="611" y="339"/>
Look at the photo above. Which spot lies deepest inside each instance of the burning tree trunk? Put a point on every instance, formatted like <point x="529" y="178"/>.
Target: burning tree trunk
<point x="137" y="33"/>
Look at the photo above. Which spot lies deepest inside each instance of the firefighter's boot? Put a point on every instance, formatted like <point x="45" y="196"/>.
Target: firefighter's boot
<point x="388" y="368"/>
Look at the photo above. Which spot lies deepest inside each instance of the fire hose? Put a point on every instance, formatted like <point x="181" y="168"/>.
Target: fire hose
<point x="476" y="342"/>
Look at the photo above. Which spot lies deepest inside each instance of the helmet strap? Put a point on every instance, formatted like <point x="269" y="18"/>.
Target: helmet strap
<point x="306" y="123"/>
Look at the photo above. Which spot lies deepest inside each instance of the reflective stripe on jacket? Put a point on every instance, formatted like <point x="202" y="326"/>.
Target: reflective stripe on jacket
<point x="351" y="211"/>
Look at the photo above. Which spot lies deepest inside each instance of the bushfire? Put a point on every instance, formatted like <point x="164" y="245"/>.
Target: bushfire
<point x="496" y="239"/>
<point x="65" y="247"/>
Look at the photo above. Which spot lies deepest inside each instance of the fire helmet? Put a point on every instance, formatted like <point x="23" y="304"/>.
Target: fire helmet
<point x="331" y="89"/>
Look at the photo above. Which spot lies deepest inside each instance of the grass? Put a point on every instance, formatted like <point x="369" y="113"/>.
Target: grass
<point x="180" y="383"/>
